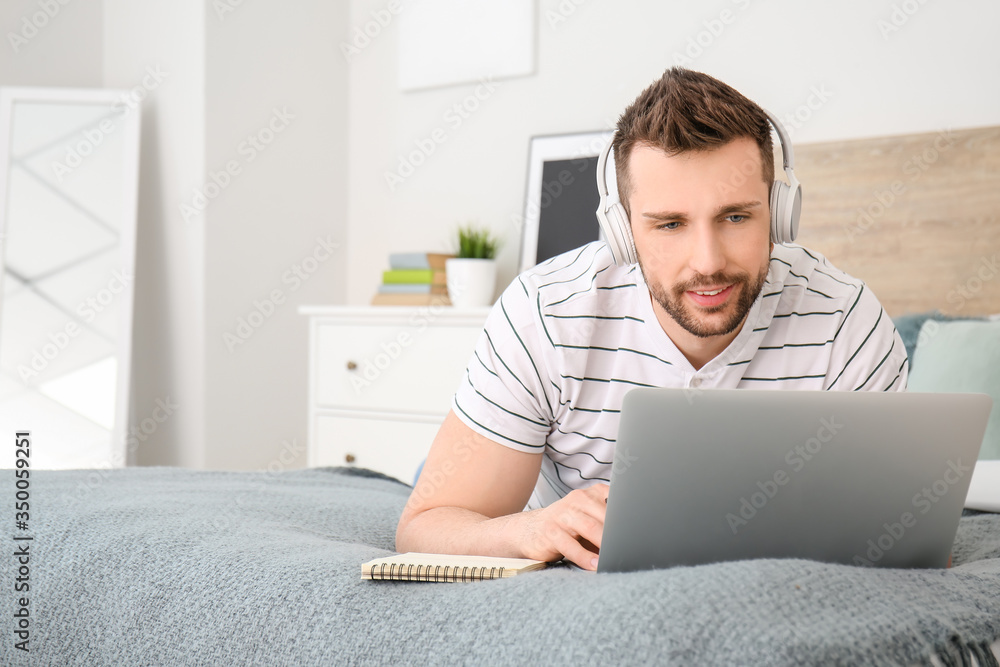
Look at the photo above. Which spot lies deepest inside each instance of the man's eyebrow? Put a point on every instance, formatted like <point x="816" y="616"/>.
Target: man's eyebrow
<point x="665" y="215"/>
<point x="723" y="210"/>
<point x="738" y="206"/>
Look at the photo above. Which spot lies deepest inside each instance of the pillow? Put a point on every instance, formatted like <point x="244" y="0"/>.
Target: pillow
<point x="909" y="326"/>
<point x="962" y="356"/>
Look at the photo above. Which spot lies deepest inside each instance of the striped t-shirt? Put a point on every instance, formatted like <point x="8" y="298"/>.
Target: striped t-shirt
<point x="570" y="337"/>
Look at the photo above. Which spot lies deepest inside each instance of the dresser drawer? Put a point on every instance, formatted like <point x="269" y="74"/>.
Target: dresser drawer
<point x="393" y="447"/>
<point x="390" y="367"/>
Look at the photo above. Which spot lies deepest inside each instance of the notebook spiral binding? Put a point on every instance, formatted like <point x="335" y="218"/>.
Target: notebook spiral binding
<point x="439" y="573"/>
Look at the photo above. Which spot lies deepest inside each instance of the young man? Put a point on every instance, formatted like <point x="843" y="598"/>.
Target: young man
<point x="521" y="464"/>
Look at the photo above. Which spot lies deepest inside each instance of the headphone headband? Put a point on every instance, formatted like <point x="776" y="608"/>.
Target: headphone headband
<point x="785" y="202"/>
<point x="787" y="157"/>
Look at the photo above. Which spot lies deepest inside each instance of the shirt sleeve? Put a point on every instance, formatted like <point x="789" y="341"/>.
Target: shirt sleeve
<point x="868" y="353"/>
<point x="506" y="394"/>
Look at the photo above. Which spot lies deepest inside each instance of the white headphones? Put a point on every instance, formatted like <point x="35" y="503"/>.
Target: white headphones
<point x="786" y="203"/>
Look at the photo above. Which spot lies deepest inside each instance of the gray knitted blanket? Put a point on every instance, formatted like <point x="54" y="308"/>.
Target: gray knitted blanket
<point x="163" y="566"/>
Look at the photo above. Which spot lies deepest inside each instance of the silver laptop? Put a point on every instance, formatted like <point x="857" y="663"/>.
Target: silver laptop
<point x="865" y="478"/>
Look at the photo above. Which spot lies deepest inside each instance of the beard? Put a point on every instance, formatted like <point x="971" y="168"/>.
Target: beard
<point x="673" y="301"/>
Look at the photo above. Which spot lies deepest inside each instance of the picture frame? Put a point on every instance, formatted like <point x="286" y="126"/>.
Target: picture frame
<point x="561" y="196"/>
<point x="495" y="40"/>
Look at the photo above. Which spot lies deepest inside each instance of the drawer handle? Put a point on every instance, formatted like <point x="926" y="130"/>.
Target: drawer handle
<point x="351" y="366"/>
<point x="349" y="458"/>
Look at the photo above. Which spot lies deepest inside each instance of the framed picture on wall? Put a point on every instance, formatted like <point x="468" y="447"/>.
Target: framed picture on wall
<point x="449" y="42"/>
<point x="561" y="197"/>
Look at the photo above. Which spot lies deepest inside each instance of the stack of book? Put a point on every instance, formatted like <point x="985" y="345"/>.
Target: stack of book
<point x="414" y="279"/>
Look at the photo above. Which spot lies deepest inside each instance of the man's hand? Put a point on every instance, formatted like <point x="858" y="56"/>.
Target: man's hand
<point x="469" y="500"/>
<point x="569" y="528"/>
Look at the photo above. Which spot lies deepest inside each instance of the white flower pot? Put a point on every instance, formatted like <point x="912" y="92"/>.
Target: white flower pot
<point x="471" y="282"/>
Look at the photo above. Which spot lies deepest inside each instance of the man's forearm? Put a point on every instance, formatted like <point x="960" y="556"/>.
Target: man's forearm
<point x="455" y="530"/>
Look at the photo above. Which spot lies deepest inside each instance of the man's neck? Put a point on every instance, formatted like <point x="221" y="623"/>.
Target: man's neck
<point x="698" y="351"/>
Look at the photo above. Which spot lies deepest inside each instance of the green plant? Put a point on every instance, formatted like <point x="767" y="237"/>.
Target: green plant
<point x="476" y="243"/>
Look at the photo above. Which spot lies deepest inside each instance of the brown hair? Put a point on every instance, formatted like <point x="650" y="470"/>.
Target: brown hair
<point x="689" y="111"/>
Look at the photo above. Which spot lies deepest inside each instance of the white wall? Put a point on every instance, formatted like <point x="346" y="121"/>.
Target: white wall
<point x="164" y="44"/>
<point x="937" y="70"/>
<point x="243" y="179"/>
<point x="217" y="78"/>
<point x="64" y="49"/>
<point x="273" y="74"/>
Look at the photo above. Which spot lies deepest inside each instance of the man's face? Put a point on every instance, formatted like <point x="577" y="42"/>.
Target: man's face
<point x="701" y="225"/>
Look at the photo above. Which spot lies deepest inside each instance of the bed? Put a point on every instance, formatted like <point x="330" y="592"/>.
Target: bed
<point x="164" y="566"/>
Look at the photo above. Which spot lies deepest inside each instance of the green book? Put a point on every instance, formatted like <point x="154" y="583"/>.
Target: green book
<point x="421" y="276"/>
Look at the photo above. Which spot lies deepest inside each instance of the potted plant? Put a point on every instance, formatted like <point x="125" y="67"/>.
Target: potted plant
<point x="472" y="275"/>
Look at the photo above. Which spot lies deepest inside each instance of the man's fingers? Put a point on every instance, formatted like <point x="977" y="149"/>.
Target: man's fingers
<point x="580" y="519"/>
<point x="574" y="552"/>
<point x="594" y="510"/>
<point x="588" y="527"/>
<point x="571" y="527"/>
<point x="599" y="492"/>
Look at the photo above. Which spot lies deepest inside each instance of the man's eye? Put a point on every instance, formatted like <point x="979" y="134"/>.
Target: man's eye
<point x="737" y="218"/>
<point x="670" y="226"/>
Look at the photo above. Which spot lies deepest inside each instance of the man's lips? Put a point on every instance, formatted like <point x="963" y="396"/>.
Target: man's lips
<point x="710" y="300"/>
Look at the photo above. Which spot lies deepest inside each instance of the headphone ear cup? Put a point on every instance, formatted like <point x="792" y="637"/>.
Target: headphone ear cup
<point x="794" y="203"/>
<point x="786" y="205"/>
<point x="626" y="242"/>
<point x="619" y="234"/>
<point x="611" y="215"/>
<point x="781" y="231"/>
<point x="775" y="205"/>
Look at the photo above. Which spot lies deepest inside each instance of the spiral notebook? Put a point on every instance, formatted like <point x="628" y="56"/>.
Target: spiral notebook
<point x="446" y="568"/>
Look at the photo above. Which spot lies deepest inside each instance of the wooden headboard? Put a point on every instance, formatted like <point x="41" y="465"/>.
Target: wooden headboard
<point x="917" y="217"/>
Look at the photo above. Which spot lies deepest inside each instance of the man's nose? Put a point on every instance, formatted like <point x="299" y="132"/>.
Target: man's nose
<point x="707" y="256"/>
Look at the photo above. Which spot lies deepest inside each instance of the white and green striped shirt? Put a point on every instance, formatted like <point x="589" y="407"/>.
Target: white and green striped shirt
<point x="570" y="337"/>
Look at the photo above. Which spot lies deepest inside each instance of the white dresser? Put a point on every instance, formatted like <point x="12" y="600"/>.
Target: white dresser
<point x="381" y="380"/>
